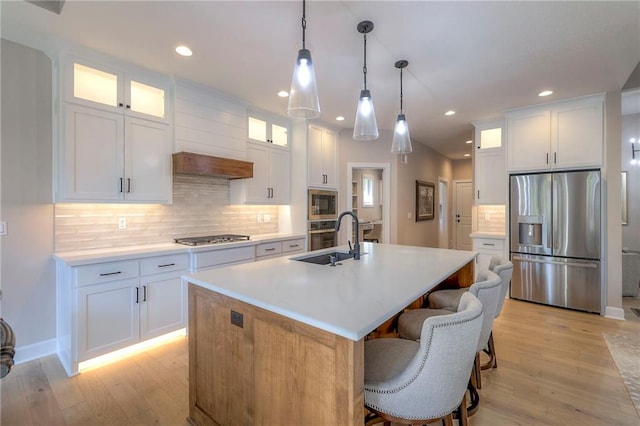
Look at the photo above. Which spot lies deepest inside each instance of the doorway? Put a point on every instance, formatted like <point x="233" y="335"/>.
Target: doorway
<point x="462" y="203"/>
<point x="369" y="194"/>
<point x="443" y="210"/>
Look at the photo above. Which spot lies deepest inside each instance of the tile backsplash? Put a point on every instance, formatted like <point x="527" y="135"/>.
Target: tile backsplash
<point x="491" y="218"/>
<point x="200" y="207"/>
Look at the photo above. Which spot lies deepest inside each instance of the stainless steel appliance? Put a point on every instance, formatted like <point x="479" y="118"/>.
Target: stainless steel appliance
<point x="555" y="238"/>
<point x="211" y="239"/>
<point x="322" y="234"/>
<point x="323" y="205"/>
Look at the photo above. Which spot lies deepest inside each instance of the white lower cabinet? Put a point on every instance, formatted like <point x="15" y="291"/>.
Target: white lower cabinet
<point x="279" y="248"/>
<point x="486" y="248"/>
<point x="103" y="307"/>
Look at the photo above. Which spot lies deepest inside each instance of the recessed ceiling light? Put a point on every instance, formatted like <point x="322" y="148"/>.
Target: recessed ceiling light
<point x="545" y="93"/>
<point x="467" y="155"/>
<point x="450" y="112"/>
<point x="469" y="142"/>
<point x="632" y="140"/>
<point x="283" y="94"/>
<point x="339" y="118"/>
<point x="184" y="51"/>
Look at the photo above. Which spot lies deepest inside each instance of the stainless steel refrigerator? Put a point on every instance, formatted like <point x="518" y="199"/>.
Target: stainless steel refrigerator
<point x="555" y="238"/>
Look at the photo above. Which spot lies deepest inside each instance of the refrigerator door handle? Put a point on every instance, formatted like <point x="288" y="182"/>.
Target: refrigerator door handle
<point x="555" y="262"/>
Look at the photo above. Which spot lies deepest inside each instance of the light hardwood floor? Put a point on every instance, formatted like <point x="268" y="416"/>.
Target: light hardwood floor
<point x="554" y="368"/>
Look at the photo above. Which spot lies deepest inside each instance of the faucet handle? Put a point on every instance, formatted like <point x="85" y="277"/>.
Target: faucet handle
<point x="350" y="248"/>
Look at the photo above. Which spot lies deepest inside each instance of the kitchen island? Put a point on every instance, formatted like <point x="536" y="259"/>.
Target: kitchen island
<point x="282" y="341"/>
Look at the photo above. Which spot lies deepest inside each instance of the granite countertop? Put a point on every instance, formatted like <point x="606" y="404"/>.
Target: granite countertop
<point x="350" y="299"/>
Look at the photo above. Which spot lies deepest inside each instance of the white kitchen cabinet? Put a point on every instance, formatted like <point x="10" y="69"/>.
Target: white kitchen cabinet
<point x="116" y="88"/>
<point x="562" y="135"/>
<point x="490" y="178"/>
<point x="116" y="134"/>
<point x="103" y="307"/>
<point x="110" y="157"/>
<point x="271" y="176"/>
<point x="263" y="127"/>
<point x="273" y="249"/>
<point x="209" y="259"/>
<point x="487" y="247"/>
<point x="321" y="158"/>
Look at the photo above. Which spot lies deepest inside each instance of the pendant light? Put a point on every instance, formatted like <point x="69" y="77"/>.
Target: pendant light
<point x="365" y="128"/>
<point x="401" y="139"/>
<point x="303" y="96"/>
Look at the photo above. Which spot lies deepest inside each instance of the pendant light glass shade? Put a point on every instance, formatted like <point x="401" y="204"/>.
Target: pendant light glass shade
<point x="365" y="127"/>
<point x="401" y="140"/>
<point x="303" y="96"/>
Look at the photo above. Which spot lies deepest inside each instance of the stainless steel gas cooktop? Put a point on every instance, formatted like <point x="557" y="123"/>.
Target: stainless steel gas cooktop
<point x="211" y="239"/>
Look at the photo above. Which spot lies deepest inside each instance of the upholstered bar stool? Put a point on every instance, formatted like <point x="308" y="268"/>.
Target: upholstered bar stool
<point x="448" y="299"/>
<point x="412" y="382"/>
<point x="487" y="289"/>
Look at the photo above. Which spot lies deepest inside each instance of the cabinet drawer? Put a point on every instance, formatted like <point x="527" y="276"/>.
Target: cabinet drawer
<point x="268" y="249"/>
<point x="293" y="245"/>
<point x="160" y="264"/>
<point x="488" y="244"/>
<point x="104" y="272"/>
<point x="207" y="259"/>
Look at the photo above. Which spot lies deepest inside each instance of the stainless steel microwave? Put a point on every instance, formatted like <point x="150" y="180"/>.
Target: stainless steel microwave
<point x="323" y="204"/>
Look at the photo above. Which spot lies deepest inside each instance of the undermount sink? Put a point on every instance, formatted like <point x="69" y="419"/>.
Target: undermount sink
<point x="325" y="258"/>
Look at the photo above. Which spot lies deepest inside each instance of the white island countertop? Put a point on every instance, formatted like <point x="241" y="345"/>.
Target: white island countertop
<point x="349" y="300"/>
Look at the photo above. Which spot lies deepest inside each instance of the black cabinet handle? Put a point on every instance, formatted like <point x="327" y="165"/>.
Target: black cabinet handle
<point x="294" y="245"/>
<point x="106" y="274"/>
<point x="488" y="244"/>
<point x="547" y="158"/>
<point x="121" y="182"/>
<point x="478" y="194"/>
<point x="555" y="159"/>
<point x="144" y="293"/>
<point x="128" y="184"/>
<point x="137" y="294"/>
<point x="270" y="249"/>
<point x="128" y="106"/>
<point x="166" y="264"/>
<point x="120" y="104"/>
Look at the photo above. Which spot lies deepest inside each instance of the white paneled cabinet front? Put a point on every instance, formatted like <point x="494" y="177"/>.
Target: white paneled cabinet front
<point x="103" y="307"/>
<point x="490" y="178"/>
<point x="116" y="143"/>
<point x="271" y="174"/>
<point x="563" y="135"/>
<point x="109" y="157"/>
<point x="321" y="162"/>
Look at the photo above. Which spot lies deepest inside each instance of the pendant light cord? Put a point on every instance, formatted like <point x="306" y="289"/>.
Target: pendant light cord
<point x="304" y="21"/>
<point x="364" y="68"/>
<point x="401" y="110"/>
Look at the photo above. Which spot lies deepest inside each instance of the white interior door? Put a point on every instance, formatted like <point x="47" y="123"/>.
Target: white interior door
<point x="443" y="206"/>
<point x="462" y="210"/>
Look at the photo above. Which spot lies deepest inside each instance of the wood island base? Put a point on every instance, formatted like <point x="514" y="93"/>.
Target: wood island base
<point x="249" y="366"/>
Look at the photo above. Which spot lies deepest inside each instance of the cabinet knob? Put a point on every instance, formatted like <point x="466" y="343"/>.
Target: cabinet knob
<point x="120" y="104"/>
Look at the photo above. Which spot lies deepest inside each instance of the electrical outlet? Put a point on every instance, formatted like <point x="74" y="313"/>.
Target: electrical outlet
<point x="3" y="228"/>
<point x="122" y="223"/>
<point x="259" y="218"/>
<point x="487" y="216"/>
<point x="267" y="218"/>
<point x="409" y="215"/>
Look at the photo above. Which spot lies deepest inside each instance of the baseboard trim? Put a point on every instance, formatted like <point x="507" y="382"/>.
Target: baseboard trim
<point x="614" y="313"/>
<point x="34" y="351"/>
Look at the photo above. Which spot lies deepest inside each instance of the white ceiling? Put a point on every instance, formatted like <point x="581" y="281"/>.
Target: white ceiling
<point x="477" y="58"/>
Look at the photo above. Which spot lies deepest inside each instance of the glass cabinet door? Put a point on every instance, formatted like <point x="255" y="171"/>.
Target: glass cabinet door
<point x="146" y="99"/>
<point x="279" y="135"/>
<point x="94" y="85"/>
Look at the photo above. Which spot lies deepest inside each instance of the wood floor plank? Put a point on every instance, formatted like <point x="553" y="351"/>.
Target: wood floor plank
<point x="554" y="368"/>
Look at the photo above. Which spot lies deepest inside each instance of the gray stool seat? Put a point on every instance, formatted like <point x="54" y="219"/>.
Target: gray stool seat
<point x="410" y="322"/>
<point x="446" y="299"/>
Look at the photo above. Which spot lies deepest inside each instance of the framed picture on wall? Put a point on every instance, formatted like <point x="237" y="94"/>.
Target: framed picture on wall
<point x="425" y="200"/>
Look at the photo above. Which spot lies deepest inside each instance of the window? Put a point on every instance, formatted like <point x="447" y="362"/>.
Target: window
<point x="367" y="191"/>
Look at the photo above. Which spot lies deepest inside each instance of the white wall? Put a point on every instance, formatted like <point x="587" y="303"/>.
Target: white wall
<point x="28" y="274"/>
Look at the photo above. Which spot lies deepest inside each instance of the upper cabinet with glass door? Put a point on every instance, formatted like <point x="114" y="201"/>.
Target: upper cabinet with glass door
<point x="98" y="85"/>
<point x="263" y="127"/>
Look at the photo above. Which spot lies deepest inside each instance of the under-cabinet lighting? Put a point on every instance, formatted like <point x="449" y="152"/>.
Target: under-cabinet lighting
<point x="183" y="51"/>
<point x="545" y="93"/>
<point x="114" y="356"/>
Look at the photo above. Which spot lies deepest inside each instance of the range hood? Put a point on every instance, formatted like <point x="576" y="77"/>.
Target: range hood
<point x="189" y="163"/>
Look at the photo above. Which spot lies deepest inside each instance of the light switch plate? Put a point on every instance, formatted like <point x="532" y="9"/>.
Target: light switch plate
<point x="122" y="223"/>
<point x="3" y="227"/>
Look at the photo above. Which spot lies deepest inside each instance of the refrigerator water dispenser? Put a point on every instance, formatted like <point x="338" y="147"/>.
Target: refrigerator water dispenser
<point x="530" y="230"/>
